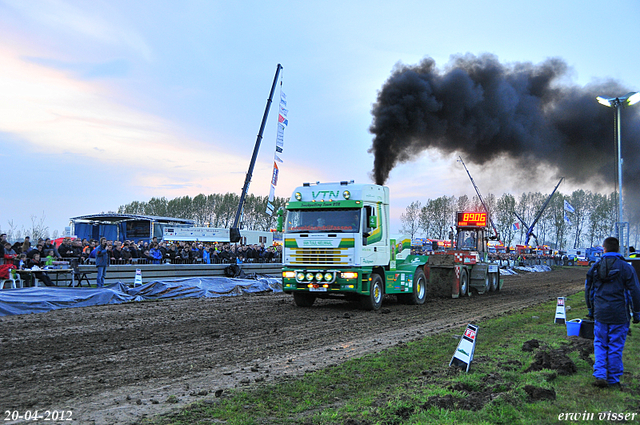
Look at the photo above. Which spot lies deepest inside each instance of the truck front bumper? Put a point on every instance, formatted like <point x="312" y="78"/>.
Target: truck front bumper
<point x="323" y="280"/>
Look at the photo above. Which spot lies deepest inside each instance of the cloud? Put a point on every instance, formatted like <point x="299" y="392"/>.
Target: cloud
<point x="62" y="17"/>
<point x="53" y="112"/>
<point x="112" y="68"/>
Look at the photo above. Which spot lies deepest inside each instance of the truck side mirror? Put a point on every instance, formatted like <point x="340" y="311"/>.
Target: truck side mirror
<point x="373" y="222"/>
<point x="280" y="220"/>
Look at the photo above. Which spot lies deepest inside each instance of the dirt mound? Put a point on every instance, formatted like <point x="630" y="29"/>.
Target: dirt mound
<point x="583" y="345"/>
<point x="554" y="360"/>
<point x="530" y="345"/>
<point x="538" y="394"/>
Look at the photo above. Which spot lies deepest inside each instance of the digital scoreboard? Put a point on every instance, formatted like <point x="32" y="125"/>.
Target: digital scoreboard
<point x="472" y="219"/>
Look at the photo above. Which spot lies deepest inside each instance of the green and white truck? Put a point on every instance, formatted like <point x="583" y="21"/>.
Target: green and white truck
<point x="337" y="243"/>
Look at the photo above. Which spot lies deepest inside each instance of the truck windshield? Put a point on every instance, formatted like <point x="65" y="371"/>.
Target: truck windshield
<point x="323" y="221"/>
<point x="467" y="240"/>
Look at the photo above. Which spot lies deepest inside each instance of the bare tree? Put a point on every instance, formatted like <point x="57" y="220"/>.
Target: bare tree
<point x="411" y="219"/>
<point x="38" y="229"/>
<point x="504" y="218"/>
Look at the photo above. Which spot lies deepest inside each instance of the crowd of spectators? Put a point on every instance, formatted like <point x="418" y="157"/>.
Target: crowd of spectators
<point x="512" y="258"/>
<point x="529" y="259"/>
<point x="154" y="252"/>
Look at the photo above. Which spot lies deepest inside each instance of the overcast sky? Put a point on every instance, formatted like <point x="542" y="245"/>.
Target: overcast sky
<point x="107" y="102"/>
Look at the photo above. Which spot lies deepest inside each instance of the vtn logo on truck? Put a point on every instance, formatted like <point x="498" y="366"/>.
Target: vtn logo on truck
<point x="325" y="193"/>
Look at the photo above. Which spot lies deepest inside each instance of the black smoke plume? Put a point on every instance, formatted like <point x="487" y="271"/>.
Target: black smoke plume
<point x="528" y="114"/>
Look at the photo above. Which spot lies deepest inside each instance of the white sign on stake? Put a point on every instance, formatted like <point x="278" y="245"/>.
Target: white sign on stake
<point x="561" y="316"/>
<point x="138" y="280"/>
<point x="466" y="347"/>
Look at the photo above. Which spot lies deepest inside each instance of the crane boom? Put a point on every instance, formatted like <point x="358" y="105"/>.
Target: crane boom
<point x="234" y="231"/>
<point x="535" y="220"/>
<point x="495" y="230"/>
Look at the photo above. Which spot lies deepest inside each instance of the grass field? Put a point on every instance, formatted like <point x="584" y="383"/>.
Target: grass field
<point x="412" y="383"/>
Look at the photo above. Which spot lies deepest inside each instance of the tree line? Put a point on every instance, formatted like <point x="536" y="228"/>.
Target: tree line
<point x="593" y="220"/>
<point x="214" y="210"/>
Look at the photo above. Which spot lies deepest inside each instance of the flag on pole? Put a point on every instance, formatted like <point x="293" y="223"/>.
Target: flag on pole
<point x="567" y="219"/>
<point x="568" y="207"/>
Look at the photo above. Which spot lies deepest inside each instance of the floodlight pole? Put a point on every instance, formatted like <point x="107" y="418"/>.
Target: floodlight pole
<point x="618" y="103"/>
<point x="623" y="243"/>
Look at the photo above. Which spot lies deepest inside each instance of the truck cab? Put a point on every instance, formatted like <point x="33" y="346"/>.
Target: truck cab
<point x="337" y="242"/>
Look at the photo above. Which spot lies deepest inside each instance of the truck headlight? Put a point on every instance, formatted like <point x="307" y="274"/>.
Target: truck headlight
<point x="319" y="276"/>
<point x="309" y="276"/>
<point x="300" y="277"/>
<point x="328" y="277"/>
<point x="349" y="275"/>
<point x="288" y="274"/>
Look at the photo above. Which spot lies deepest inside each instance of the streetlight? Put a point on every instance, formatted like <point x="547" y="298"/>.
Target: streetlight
<point x="616" y="102"/>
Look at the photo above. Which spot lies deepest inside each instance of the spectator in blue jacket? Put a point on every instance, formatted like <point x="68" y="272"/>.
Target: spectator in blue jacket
<point x="102" y="261"/>
<point x="206" y="255"/>
<point x="611" y="289"/>
<point x="155" y="253"/>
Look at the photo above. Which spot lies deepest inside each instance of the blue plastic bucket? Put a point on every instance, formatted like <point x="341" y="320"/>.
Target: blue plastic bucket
<point x="573" y="327"/>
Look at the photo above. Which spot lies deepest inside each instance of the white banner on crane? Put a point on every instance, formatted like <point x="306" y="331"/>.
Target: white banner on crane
<point x="283" y="121"/>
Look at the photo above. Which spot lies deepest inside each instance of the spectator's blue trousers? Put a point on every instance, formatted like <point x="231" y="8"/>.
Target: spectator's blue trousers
<point x="102" y="271"/>
<point x="608" y="344"/>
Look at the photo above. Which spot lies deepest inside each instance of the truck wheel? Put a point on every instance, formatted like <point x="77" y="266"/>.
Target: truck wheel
<point x="419" y="294"/>
<point x="487" y="283"/>
<point x="303" y="299"/>
<point x="494" y="278"/>
<point x="373" y="301"/>
<point x="464" y="283"/>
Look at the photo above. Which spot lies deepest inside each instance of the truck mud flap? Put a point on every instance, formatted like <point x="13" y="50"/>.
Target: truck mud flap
<point x="443" y="282"/>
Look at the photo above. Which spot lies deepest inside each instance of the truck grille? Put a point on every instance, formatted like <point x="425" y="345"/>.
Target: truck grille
<point x="319" y="256"/>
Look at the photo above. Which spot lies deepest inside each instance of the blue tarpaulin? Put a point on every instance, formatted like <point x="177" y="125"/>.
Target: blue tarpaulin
<point x="40" y="300"/>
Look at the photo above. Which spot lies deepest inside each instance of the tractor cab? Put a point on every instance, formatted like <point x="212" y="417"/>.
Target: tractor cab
<point x="471" y="231"/>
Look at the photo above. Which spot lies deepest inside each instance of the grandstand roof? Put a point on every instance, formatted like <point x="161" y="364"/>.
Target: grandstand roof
<point x="117" y="218"/>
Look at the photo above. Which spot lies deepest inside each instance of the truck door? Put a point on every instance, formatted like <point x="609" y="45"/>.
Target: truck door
<point x="375" y="247"/>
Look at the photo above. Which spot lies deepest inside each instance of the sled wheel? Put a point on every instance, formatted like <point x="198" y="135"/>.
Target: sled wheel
<point x="494" y="278"/>
<point x="464" y="283"/>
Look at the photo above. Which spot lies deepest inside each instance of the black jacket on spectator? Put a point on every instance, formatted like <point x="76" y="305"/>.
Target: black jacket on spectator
<point x="126" y="254"/>
<point x="66" y="251"/>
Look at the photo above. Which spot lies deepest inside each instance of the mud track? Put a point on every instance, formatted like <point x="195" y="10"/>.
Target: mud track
<point x="116" y="364"/>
